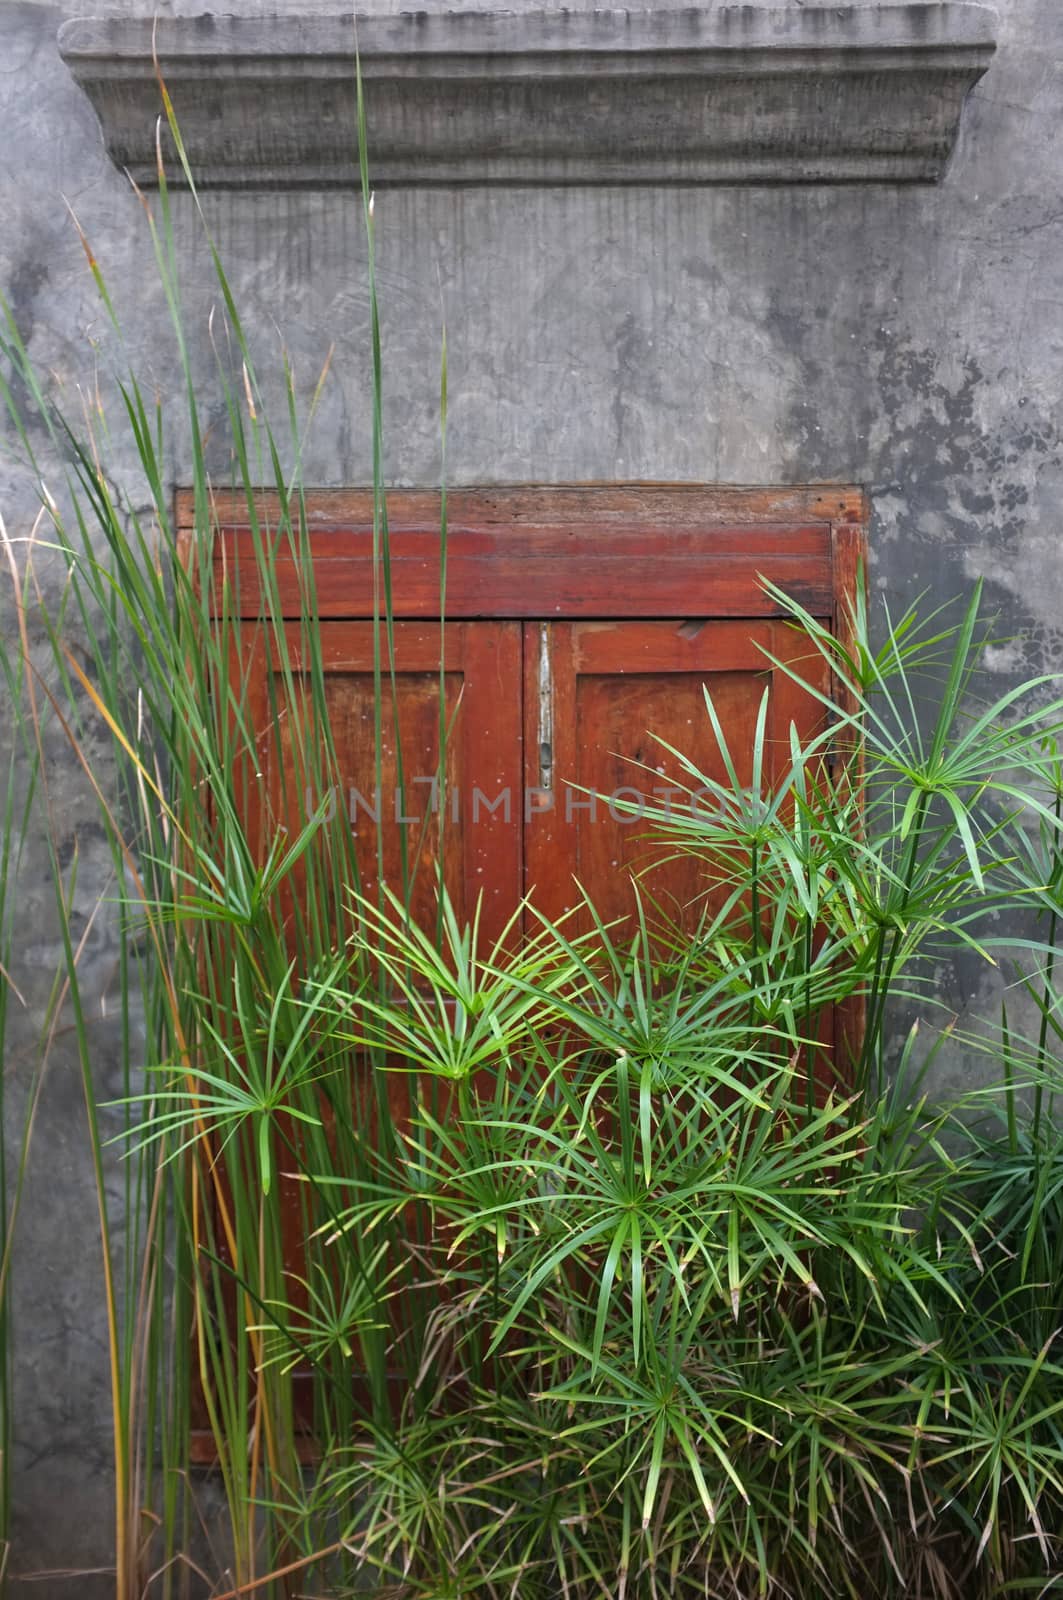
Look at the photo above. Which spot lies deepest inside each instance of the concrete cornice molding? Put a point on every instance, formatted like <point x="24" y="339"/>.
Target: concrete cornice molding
<point x="734" y="94"/>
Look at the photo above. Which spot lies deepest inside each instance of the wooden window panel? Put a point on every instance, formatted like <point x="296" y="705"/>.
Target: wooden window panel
<point x="617" y="690"/>
<point x="483" y="849"/>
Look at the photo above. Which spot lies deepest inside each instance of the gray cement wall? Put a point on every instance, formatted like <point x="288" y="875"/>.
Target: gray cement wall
<point x="910" y="339"/>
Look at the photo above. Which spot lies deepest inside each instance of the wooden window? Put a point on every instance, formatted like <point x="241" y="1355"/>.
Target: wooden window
<point x="579" y="622"/>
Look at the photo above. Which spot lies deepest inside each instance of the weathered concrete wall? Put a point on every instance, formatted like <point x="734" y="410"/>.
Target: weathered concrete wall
<point x="908" y="339"/>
